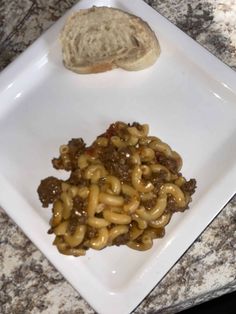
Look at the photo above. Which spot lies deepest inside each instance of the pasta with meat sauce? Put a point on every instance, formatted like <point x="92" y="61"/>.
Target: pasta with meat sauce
<point x="122" y="190"/>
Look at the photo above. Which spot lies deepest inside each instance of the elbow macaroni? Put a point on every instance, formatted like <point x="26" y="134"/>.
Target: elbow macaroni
<point x="106" y="207"/>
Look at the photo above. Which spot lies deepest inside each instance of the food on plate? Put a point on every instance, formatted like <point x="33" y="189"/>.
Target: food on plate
<point x="99" y="39"/>
<point x="122" y="190"/>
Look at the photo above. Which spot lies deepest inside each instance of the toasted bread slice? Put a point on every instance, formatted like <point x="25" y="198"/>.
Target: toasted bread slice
<point x="103" y="38"/>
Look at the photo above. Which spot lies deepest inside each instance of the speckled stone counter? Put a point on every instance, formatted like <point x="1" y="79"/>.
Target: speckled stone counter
<point x="29" y="283"/>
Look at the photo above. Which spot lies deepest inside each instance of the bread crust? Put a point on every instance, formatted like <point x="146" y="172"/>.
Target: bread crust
<point x="100" y="39"/>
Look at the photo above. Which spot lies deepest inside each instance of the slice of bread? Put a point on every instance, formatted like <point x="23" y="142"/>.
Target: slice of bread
<point x="103" y="38"/>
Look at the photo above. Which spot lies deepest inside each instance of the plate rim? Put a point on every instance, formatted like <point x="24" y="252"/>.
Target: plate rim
<point x="224" y="73"/>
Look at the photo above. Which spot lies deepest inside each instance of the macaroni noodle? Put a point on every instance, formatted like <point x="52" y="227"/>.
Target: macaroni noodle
<point x="122" y="190"/>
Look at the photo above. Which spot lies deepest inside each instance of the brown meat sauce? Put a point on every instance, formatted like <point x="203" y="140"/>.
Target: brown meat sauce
<point x="78" y="215"/>
<point x="170" y="163"/>
<point x="189" y="186"/>
<point x="117" y="162"/>
<point x="49" y="190"/>
<point x="121" y="239"/>
<point x="76" y="148"/>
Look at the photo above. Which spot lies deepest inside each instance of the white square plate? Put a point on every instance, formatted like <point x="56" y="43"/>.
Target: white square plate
<point x="188" y="99"/>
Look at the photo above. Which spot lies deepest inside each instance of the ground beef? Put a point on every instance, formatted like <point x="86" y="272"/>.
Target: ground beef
<point x="158" y="179"/>
<point x="57" y="163"/>
<point x="78" y="214"/>
<point x="149" y="204"/>
<point x="73" y="223"/>
<point x="170" y="163"/>
<point x="76" y="148"/>
<point x="160" y="232"/>
<point x="121" y="239"/>
<point x="137" y="125"/>
<point x="111" y="131"/>
<point x="77" y="179"/>
<point x="171" y="206"/>
<point x="120" y="129"/>
<point x="91" y="232"/>
<point x="78" y="204"/>
<point x="79" y="209"/>
<point x="189" y="186"/>
<point x="49" y="190"/>
<point x="117" y="162"/>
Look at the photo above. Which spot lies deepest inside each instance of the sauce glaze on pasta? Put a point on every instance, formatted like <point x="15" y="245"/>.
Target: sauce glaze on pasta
<point x="122" y="190"/>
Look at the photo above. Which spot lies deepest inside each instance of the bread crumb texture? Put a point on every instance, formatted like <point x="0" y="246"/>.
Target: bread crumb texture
<point x="100" y="39"/>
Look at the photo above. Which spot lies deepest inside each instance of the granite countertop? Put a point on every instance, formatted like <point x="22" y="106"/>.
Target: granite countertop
<point x="29" y="283"/>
